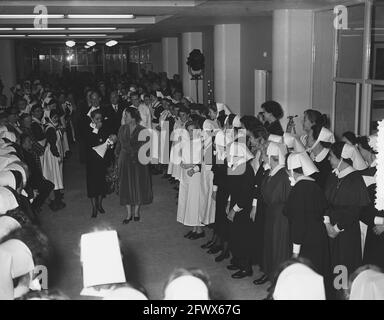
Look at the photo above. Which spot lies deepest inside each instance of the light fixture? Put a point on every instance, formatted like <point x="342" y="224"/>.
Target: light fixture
<point x="91" y="28"/>
<point x="100" y="16"/>
<point x="12" y="35"/>
<point x="31" y="16"/>
<point x="70" y="43"/>
<point x="111" y="43"/>
<point x="6" y="29"/>
<point x="87" y="35"/>
<point x="38" y="29"/>
<point x="91" y="43"/>
<point x="86" y="47"/>
<point x="46" y="35"/>
<point x="70" y="57"/>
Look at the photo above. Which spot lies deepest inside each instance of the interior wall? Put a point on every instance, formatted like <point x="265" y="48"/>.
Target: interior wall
<point x="208" y="50"/>
<point x="256" y="53"/>
<point x="322" y="93"/>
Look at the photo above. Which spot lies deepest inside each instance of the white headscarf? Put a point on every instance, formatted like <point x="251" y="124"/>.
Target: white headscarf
<point x="368" y="285"/>
<point x="238" y="154"/>
<point x="299" y="282"/>
<point x="7" y="179"/>
<point x="7" y="201"/>
<point x="186" y="288"/>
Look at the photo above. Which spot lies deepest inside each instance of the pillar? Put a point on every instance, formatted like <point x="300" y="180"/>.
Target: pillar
<point x="170" y="48"/>
<point x="292" y="62"/>
<point x="227" y="65"/>
<point x="7" y="66"/>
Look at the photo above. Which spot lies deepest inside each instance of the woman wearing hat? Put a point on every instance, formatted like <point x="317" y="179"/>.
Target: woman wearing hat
<point x="373" y="218"/>
<point x="274" y="191"/>
<point x="347" y="195"/>
<point x="273" y="112"/>
<point x="53" y="159"/>
<point x="305" y="209"/>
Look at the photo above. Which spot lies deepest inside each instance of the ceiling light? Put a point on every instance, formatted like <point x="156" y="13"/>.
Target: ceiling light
<point x="46" y="35"/>
<point x="38" y="29"/>
<point x="86" y="47"/>
<point x="31" y="16"/>
<point x="91" y="43"/>
<point x="88" y="35"/>
<point x="6" y="29"/>
<point x="12" y="35"/>
<point x="111" y="43"/>
<point x="70" y="43"/>
<point x="100" y="16"/>
<point x="92" y="28"/>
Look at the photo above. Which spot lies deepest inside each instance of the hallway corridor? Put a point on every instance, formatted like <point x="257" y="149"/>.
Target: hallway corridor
<point x="152" y="248"/>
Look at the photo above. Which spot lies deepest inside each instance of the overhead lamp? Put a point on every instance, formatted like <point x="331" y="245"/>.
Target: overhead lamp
<point x="86" y="46"/>
<point x="91" y="28"/>
<point x="46" y="35"/>
<point x="87" y="35"/>
<point x="31" y="16"/>
<point x="100" y="16"/>
<point x="111" y="43"/>
<point x="12" y="35"/>
<point x="38" y="29"/>
<point x="6" y="29"/>
<point x="70" y="43"/>
<point x="91" y="43"/>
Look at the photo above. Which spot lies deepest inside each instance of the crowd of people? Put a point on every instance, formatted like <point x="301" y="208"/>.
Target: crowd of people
<point x="297" y="207"/>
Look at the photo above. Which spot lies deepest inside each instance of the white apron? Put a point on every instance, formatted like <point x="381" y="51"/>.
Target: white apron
<point x="53" y="166"/>
<point x="189" y="189"/>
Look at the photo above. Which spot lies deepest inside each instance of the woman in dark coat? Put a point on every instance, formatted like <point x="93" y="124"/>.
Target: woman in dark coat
<point x="373" y="218"/>
<point x="135" y="181"/>
<point x="96" y="164"/>
<point x="274" y="191"/>
<point x="346" y="195"/>
<point x="305" y="209"/>
<point x="273" y="112"/>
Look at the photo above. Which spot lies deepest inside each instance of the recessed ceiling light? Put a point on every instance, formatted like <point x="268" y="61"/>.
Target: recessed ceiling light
<point x="92" y="28"/>
<point x="70" y="43"/>
<point x="31" y="16"/>
<point x="100" y="16"/>
<point x="91" y="43"/>
<point x="111" y="43"/>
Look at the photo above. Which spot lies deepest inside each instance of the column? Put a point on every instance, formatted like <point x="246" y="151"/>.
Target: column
<point x="170" y="48"/>
<point x="7" y="66"/>
<point x="292" y="62"/>
<point x="190" y="41"/>
<point x="227" y="65"/>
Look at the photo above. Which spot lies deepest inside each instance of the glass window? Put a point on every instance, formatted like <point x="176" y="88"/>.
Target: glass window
<point x="377" y="104"/>
<point x="377" y="41"/>
<point x="350" y="43"/>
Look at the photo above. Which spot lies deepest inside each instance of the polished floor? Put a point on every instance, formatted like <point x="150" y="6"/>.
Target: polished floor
<point x="152" y="248"/>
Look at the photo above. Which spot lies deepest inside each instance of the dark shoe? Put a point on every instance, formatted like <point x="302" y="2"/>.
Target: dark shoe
<point x="242" y="274"/>
<point x="53" y="206"/>
<point x="207" y="245"/>
<point x="136" y="219"/>
<point x="196" y="235"/>
<point x="261" y="280"/>
<point x="214" y="249"/>
<point x="126" y="221"/>
<point x="60" y="205"/>
<point x="100" y="209"/>
<point x="188" y="234"/>
<point x="233" y="267"/>
<point x="222" y="256"/>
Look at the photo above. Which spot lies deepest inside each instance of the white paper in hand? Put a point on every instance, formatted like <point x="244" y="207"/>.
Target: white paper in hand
<point x="101" y="259"/>
<point x="101" y="149"/>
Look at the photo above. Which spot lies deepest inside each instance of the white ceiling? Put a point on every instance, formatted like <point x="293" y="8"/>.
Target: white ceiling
<point x="155" y="18"/>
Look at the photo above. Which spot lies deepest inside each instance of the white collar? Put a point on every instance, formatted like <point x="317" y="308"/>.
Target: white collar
<point x="304" y="178"/>
<point x="343" y="173"/>
<point x="321" y="156"/>
<point x="91" y="110"/>
<point x="276" y="170"/>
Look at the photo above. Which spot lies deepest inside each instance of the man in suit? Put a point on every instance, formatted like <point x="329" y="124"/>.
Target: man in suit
<point x="113" y="113"/>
